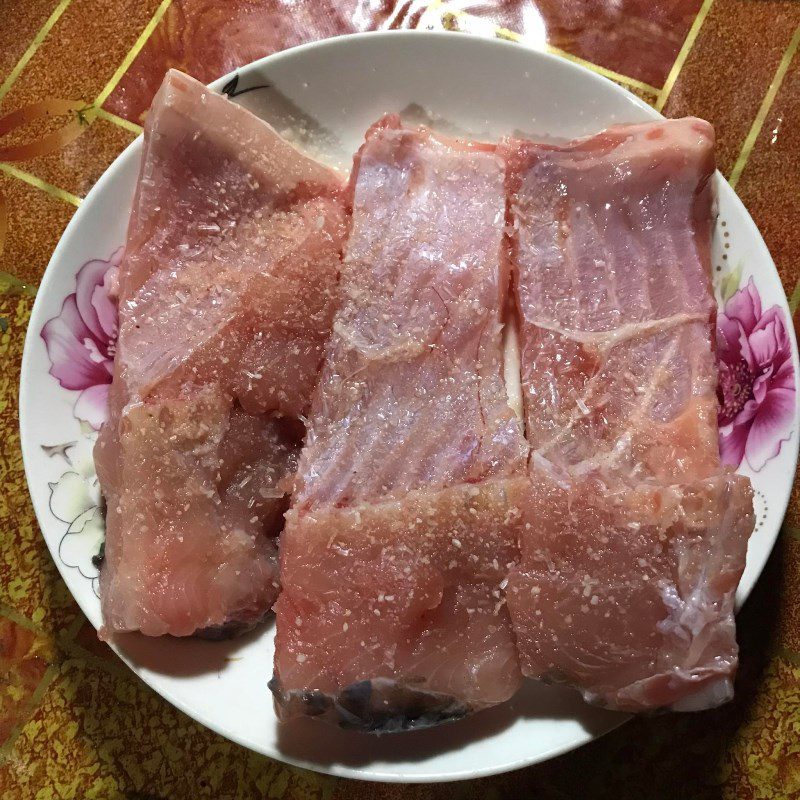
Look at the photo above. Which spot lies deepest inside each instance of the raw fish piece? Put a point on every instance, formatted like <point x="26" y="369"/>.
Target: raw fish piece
<point x="254" y="319"/>
<point x="208" y="166"/>
<point x="392" y="614"/>
<point x="189" y="504"/>
<point x="233" y="231"/>
<point x="634" y="538"/>
<point x="412" y="392"/>
<point x="611" y="245"/>
<point x="626" y="592"/>
<point x="227" y="294"/>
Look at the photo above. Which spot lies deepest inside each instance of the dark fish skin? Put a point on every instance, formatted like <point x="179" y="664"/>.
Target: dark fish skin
<point x="380" y="705"/>
<point x="229" y="630"/>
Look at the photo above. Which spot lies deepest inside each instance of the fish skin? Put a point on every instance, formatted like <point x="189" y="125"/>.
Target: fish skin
<point x="232" y="260"/>
<point x="378" y="705"/>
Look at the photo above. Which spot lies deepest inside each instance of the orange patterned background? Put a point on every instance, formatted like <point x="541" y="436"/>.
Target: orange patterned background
<point x="76" y="77"/>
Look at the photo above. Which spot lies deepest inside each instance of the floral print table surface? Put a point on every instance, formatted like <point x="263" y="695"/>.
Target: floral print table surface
<point x="75" y="79"/>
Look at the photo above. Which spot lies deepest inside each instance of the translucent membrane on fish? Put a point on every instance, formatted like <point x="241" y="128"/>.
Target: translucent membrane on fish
<point x="611" y="247"/>
<point x="412" y="393"/>
<point x="626" y="591"/>
<point x="635" y="539"/>
<point x="227" y="294"/>
<point x="396" y="546"/>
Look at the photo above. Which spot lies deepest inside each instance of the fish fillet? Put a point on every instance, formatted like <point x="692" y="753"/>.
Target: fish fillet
<point x="634" y="538"/>
<point x="397" y="543"/>
<point x="227" y="293"/>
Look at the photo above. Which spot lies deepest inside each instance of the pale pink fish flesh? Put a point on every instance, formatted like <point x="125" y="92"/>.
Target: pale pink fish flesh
<point x="392" y="615"/>
<point x="231" y="263"/>
<point x="634" y="538"/>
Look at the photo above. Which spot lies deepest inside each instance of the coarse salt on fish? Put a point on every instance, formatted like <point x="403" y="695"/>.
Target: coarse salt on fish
<point x="402" y="479"/>
<point x="635" y="537"/>
<point x="226" y="268"/>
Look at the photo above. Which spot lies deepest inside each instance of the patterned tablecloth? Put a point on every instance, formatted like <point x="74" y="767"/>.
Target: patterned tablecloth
<point x="76" y="77"/>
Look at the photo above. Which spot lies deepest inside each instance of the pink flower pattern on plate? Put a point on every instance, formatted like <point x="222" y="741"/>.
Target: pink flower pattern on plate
<point x="756" y="390"/>
<point x="81" y="340"/>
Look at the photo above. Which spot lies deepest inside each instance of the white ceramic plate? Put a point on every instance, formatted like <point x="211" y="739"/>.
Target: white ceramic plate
<point x="327" y="94"/>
